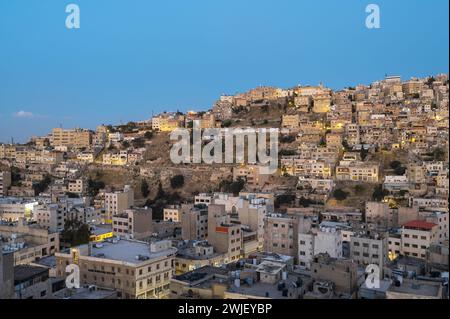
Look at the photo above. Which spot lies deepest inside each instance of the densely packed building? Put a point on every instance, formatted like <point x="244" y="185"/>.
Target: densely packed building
<point x="362" y="182"/>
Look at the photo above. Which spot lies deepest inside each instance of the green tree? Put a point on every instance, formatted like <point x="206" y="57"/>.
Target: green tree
<point x="284" y="199"/>
<point x="42" y="185"/>
<point x="364" y="153"/>
<point x="94" y="187"/>
<point x="400" y="170"/>
<point x="15" y="176"/>
<point x="395" y="164"/>
<point x="340" y="195"/>
<point x="145" y="191"/>
<point x="177" y="181"/>
<point x="359" y="189"/>
<point x="227" y="123"/>
<point x="233" y="187"/>
<point x="379" y="193"/>
<point x="439" y="154"/>
<point x="148" y="135"/>
<point x="75" y="233"/>
<point x="138" y="142"/>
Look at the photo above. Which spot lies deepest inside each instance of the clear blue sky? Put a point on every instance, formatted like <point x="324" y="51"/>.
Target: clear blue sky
<point x="132" y="57"/>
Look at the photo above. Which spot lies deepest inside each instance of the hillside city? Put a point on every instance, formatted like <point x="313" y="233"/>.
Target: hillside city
<point x="362" y="183"/>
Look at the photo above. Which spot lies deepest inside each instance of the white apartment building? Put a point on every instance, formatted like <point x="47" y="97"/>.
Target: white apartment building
<point x="417" y="236"/>
<point x="328" y="240"/>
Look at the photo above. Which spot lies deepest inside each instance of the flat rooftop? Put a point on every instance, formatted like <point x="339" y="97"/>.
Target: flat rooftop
<point x="421" y="288"/>
<point x="86" y="293"/>
<point x="24" y="273"/>
<point x="127" y="251"/>
<point x="101" y="229"/>
<point x="49" y="262"/>
<point x="201" y="273"/>
<point x="262" y="289"/>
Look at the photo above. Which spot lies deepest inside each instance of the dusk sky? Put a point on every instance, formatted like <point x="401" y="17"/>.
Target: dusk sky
<point x="132" y="57"/>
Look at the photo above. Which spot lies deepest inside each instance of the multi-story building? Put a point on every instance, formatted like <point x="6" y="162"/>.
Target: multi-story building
<point x="28" y="243"/>
<point x="77" y="186"/>
<point x="279" y="234"/>
<point x="172" y="213"/>
<point x="369" y="248"/>
<point x="133" y="223"/>
<point x="341" y="272"/>
<point x="291" y="121"/>
<point x="194" y="222"/>
<point x="321" y="103"/>
<point x="5" y="182"/>
<point x="77" y="138"/>
<point x="196" y="254"/>
<point x="328" y="240"/>
<point x="137" y="270"/>
<point x="117" y="202"/>
<point x="417" y="236"/>
<point x="251" y="174"/>
<point x="32" y="282"/>
<point x="225" y="237"/>
<point x="358" y="172"/>
<point x="282" y="233"/>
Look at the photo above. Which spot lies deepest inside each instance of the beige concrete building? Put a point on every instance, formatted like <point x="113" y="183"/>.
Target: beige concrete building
<point x="194" y="222"/>
<point x="321" y="103"/>
<point x="369" y="248"/>
<point x="358" y="172"/>
<point x="222" y="235"/>
<point x="334" y="140"/>
<point x="290" y="121"/>
<point x="341" y="272"/>
<point x="281" y="234"/>
<point x="28" y="243"/>
<point x="77" y="186"/>
<point x="417" y="236"/>
<point x="251" y="174"/>
<point x="77" y="138"/>
<point x="133" y="223"/>
<point x="137" y="270"/>
<point x="117" y="202"/>
<point x="172" y="213"/>
<point x="197" y="254"/>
